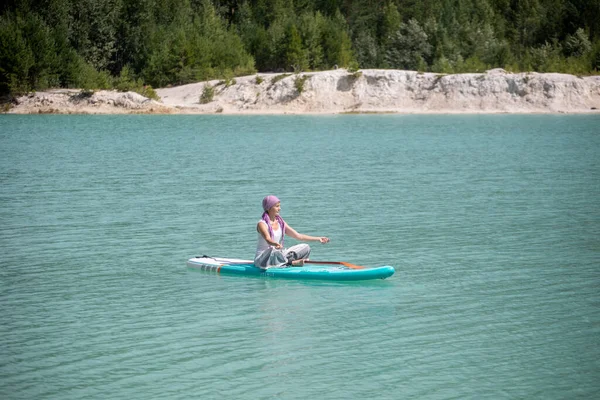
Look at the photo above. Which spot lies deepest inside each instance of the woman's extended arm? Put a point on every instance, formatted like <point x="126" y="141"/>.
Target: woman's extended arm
<point x="299" y="236"/>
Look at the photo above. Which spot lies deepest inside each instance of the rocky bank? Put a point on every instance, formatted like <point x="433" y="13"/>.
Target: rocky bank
<point x="340" y="91"/>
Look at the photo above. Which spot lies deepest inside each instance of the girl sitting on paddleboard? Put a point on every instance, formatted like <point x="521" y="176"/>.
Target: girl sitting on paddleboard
<point x="271" y="230"/>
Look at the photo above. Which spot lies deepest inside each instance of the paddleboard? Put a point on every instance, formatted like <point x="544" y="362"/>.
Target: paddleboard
<point x="327" y="272"/>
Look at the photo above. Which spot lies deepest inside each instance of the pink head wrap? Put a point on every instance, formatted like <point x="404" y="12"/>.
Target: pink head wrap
<point x="267" y="203"/>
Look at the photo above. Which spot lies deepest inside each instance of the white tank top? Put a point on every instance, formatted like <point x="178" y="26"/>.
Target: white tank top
<point x="262" y="243"/>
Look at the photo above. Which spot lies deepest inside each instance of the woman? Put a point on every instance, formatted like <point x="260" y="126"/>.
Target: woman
<point x="271" y="230"/>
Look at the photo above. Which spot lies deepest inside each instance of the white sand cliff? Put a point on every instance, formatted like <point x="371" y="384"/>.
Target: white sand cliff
<point x="74" y="101"/>
<point x="339" y="91"/>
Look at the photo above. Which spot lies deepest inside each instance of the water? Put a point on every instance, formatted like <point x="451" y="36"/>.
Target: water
<point x="492" y="223"/>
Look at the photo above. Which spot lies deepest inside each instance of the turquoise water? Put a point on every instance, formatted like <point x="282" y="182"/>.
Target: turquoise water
<point x="492" y="223"/>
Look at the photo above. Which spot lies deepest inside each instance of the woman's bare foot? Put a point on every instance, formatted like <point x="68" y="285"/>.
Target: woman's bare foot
<point x="298" y="263"/>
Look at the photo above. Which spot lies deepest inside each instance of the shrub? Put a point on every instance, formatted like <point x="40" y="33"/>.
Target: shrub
<point x="354" y="70"/>
<point x="5" y="107"/>
<point x="227" y="82"/>
<point x="299" y="83"/>
<point x="442" y="65"/>
<point x="126" y="81"/>
<point x="278" y="78"/>
<point x="353" y="67"/>
<point x="148" y="91"/>
<point x="472" y="64"/>
<point x="207" y="94"/>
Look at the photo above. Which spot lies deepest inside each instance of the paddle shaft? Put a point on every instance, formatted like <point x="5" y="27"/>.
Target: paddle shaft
<point x="345" y="264"/>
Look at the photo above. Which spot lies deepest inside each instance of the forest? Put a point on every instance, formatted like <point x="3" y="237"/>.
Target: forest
<point x="140" y="44"/>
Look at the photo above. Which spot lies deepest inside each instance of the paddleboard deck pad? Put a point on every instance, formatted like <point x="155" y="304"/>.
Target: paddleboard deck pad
<point x="328" y="272"/>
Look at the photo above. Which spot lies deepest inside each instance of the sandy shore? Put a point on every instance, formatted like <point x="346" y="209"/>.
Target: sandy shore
<point x="340" y="91"/>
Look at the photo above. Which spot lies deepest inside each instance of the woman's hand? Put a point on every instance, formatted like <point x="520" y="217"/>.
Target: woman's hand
<point x="324" y="239"/>
<point x="278" y="246"/>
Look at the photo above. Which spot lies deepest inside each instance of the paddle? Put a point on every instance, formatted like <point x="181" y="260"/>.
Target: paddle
<point x="345" y="264"/>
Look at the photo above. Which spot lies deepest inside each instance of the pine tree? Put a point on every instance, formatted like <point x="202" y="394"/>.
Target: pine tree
<point x="296" y="56"/>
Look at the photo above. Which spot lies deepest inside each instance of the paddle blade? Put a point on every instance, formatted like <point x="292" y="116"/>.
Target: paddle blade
<point x="345" y="264"/>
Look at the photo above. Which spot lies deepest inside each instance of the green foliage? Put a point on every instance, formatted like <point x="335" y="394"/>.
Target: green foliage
<point x="126" y="44"/>
<point x="148" y="91"/>
<point x="295" y="55"/>
<point x="578" y="44"/>
<point x="337" y="46"/>
<point x="94" y="30"/>
<point x="545" y="58"/>
<point x="443" y="65"/>
<point x="228" y="80"/>
<point x="27" y="54"/>
<point x="594" y="57"/>
<point x="353" y="67"/>
<point x="208" y="93"/>
<point x="310" y="26"/>
<point x="5" y="107"/>
<point x="299" y="83"/>
<point x="16" y="58"/>
<point x="278" y="78"/>
<point x="126" y="82"/>
<point x="408" y="47"/>
<point x="366" y="50"/>
<point x="89" y="78"/>
<point x="390" y="22"/>
<point x="471" y="64"/>
<point x="259" y="80"/>
<point x="191" y="49"/>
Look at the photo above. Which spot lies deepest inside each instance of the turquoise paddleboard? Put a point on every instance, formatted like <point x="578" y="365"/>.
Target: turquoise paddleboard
<point x="328" y="272"/>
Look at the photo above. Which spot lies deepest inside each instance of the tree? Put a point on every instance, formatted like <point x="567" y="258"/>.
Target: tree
<point x="310" y="26"/>
<point x="337" y="46"/>
<point x="16" y="58"/>
<point x="296" y="56"/>
<point x="578" y="44"/>
<point x="88" y="43"/>
<point x="95" y="30"/>
<point x="27" y="54"/>
<point x="390" y="22"/>
<point x="527" y="22"/>
<point x="366" y="50"/>
<point x="408" y="47"/>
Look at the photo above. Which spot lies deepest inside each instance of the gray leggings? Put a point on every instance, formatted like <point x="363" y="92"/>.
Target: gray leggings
<point x="272" y="257"/>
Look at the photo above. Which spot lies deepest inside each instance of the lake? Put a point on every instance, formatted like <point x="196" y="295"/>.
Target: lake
<point x="491" y="221"/>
